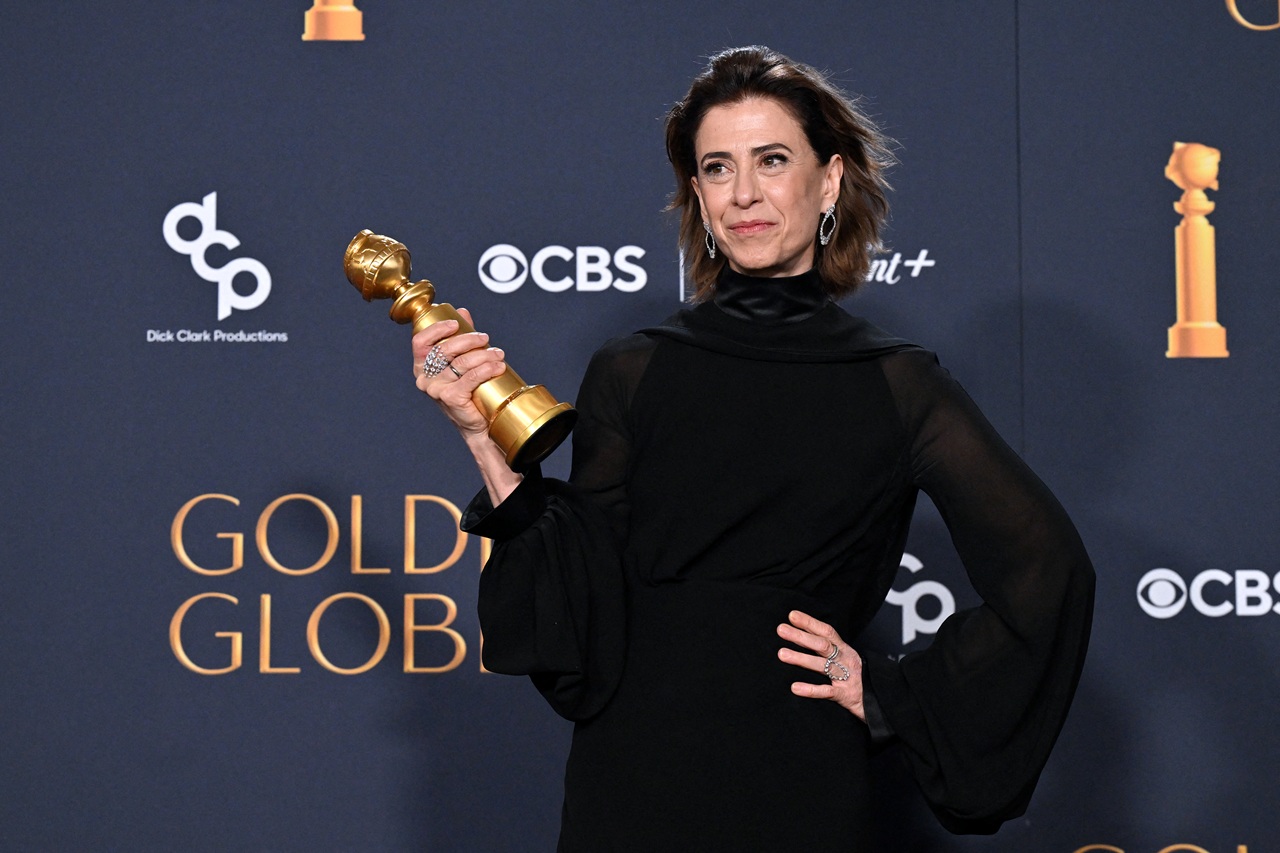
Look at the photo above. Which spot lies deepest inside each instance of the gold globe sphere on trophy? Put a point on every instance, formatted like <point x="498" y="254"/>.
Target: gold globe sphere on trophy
<point x="524" y="420"/>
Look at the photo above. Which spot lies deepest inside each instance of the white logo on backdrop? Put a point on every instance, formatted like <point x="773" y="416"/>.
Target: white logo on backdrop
<point x="889" y="270"/>
<point x="1162" y="593"/>
<point x="504" y="268"/>
<point x="913" y="624"/>
<point x="206" y="213"/>
<point x="885" y="270"/>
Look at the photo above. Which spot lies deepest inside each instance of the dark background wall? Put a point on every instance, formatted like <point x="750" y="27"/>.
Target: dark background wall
<point x="1033" y="141"/>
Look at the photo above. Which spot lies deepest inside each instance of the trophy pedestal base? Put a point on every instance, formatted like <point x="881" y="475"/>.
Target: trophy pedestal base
<point x="542" y="436"/>
<point x="1197" y="340"/>
<point x="529" y="424"/>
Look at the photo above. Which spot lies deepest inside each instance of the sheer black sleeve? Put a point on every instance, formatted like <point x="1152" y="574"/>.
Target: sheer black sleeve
<point x="979" y="710"/>
<point x="552" y="596"/>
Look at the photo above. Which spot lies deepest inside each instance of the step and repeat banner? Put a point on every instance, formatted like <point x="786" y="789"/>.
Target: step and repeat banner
<point x="238" y="612"/>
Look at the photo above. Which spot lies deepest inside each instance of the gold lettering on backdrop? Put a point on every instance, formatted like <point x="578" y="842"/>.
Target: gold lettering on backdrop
<point x="1244" y="22"/>
<point x="264" y="641"/>
<point x="330" y="547"/>
<point x="180" y="550"/>
<point x="411" y="534"/>
<point x="1171" y="848"/>
<point x="175" y="637"/>
<point x="486" y="549"/>
<point x="313" y="634"/>
<point x="411" y="627"/>
<point x="357" y="541"/>
<point x="1197" y="334"/>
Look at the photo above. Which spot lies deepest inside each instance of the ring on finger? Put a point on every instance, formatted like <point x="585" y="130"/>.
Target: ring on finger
<point x="843" y="675"/>
<point x="435" y="362"/>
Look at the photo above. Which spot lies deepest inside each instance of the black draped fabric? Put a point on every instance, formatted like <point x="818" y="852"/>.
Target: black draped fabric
<point x="756" y="454"/>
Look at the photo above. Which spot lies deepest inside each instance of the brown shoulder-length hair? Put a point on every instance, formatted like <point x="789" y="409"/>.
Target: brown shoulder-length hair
<point x="833" y="124"/>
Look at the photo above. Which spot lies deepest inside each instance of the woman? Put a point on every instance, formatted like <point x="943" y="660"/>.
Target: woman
<point x="743" y="479"/>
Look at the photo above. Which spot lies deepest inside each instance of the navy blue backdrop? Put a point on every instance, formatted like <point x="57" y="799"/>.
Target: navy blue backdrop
<point x="1031" y="246"/>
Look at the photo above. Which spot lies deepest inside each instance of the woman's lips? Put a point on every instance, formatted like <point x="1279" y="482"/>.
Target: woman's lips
<point x="755" y="226"/>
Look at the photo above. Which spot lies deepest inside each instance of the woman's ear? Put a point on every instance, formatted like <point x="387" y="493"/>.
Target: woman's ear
<point x="831" y="180"/>
<point x="697" y="191"/>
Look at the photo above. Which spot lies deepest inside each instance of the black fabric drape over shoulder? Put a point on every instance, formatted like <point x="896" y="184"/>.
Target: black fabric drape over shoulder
<point x="753" y="455"/>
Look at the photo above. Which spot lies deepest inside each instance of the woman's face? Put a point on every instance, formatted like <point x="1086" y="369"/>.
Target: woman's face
<point x="761" y="187"/>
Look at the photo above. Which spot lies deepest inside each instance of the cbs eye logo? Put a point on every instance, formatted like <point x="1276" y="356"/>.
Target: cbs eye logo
<point x="504" y="268"/>
<point x="1162" y="593"/>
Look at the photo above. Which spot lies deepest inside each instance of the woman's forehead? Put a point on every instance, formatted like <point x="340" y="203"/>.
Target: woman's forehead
<point x="748" y="124"/>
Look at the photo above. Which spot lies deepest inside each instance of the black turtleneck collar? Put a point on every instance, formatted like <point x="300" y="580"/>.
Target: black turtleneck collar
<point x="788" y="299"/>
<point x="777" y="319"/>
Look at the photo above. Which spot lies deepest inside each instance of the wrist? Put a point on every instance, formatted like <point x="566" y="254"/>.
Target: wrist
<point x="498" y="477"/>
<point x="479" y="443"/>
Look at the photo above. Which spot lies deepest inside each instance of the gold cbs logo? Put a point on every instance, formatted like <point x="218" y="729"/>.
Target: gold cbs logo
<point x="1245" y="22"/>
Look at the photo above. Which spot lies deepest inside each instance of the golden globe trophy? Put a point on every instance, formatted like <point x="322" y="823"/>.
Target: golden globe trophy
<point x="524" y="420"/>
<point x="1197" y="333"/>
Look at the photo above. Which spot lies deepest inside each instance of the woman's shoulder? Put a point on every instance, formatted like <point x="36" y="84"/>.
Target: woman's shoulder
<point x="624" y="353"/>
<point x="620" y="363"/>
<point x="625" y="346"/>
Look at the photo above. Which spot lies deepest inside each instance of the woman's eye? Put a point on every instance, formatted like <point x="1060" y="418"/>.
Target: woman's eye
<point x="774" y="161"/>
<point x="714" y="171"/>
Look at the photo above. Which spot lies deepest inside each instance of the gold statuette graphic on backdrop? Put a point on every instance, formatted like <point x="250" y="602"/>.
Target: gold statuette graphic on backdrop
<point x="1197" y="334"/>
<point x="524" y="420"/>
<point x="333" y="20"/>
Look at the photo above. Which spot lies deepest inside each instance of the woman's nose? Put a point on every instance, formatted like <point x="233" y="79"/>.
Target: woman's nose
<point x="746" y="188"/>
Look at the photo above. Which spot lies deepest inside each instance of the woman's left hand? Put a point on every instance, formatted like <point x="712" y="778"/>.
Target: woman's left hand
<point x="820" y="639"/>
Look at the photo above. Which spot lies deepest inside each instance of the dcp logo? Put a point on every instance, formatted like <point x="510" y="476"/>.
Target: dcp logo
<point x="503" y="268"/>
<point x="913" y="623"/>
<point x="206" y="213"/>
<point x="1162" y="593"/>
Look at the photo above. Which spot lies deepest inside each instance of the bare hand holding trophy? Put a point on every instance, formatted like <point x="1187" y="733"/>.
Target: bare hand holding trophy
<point x="525" y="421"/>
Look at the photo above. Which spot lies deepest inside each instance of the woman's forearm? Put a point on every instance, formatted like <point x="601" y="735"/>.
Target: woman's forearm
<point x="498" y="477"/>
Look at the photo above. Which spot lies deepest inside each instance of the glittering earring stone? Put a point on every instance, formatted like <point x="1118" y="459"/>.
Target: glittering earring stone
<point x="827" y="226"/>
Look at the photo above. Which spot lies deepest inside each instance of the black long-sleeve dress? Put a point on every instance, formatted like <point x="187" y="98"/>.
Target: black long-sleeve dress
<point x="755" y="454"/>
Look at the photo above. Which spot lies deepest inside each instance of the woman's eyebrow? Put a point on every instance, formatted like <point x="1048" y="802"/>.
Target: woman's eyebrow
<point x="755" y="152"/>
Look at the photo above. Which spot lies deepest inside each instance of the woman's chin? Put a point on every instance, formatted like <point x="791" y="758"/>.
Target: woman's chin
<point x="759" y="268"/>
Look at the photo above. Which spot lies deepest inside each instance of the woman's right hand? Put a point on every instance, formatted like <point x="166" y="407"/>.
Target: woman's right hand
<point x="471" y="356"/>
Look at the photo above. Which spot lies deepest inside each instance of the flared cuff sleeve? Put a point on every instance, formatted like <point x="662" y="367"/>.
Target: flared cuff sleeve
<point x="979" y="710"/>
<point x="552" y="598"/>
<point x="509" y="518"/>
